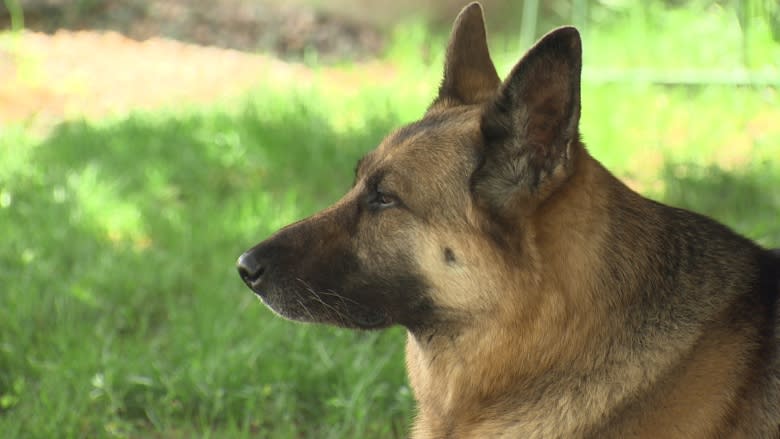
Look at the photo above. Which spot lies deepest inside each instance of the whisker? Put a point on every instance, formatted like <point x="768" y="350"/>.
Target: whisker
<point x="300" y="301"/>
<point x="332" y="310"/>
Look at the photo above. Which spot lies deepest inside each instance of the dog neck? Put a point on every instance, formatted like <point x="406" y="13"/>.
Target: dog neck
<point x="532" y="369"/>
<point x="525" y="356"/>
<point x="568" y="362"/>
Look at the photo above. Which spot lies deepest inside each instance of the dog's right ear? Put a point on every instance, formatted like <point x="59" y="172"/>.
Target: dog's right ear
<point x="531" y="126"/>
<point x="469" y="74"/>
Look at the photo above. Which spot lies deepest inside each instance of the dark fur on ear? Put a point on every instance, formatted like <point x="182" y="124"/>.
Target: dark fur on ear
<point x="531" y="125"/>
<point x="469" y="74"/>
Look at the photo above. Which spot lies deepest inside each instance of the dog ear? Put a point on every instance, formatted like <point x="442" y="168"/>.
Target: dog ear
<point x="469" y="74"/>
<point x="531" y="126"/>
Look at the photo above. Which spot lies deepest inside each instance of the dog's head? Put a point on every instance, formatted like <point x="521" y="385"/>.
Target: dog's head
<point x="437" y="209"/>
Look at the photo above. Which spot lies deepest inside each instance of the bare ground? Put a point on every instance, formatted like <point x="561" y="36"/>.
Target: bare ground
<point x="127" y="55"/>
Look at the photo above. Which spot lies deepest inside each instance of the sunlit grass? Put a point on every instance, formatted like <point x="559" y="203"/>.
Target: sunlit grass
<point x="703" y="35"/>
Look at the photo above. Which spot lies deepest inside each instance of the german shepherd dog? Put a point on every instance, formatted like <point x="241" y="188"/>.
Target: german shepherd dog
<point x="543" y="298"/>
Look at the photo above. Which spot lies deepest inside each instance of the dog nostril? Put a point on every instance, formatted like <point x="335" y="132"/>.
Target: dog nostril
<point x="249" y="275"/>
<point x="249" y="270"/>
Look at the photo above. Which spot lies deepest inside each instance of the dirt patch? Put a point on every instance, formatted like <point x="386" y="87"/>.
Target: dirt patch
<point x="45" y="78"/>
<point x="164" y="52"/>
<point x="48" y="77"/>
<point x="292" y="30"/>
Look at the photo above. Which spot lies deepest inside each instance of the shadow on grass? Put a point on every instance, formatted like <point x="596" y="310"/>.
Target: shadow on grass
<point x="122" y="311"/>
<point x="745" y="199"/>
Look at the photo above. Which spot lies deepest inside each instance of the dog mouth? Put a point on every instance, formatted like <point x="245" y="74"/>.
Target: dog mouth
<point x="302" y="303"/>
<point x="261" y="293"/>
<point x="370" y="319"/>
<point x="338" y="302"/>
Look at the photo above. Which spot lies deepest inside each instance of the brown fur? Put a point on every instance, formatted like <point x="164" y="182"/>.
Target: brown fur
<point x="543" y="298"/>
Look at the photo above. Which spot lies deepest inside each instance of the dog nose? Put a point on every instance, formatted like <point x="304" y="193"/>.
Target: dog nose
<point x="250" y="270"/>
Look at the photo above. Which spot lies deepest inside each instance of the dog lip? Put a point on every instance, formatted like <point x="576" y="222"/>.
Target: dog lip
<point x="373" y="319"/>
<point x="258" y="292"/>
<point x="255" y="286"/>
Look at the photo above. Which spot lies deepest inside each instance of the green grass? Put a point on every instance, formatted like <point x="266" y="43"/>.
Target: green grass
<point x="122" y="310"/>
<point x="121" y="314"/>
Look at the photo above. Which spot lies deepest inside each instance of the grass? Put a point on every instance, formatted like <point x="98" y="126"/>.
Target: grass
<point x="122" y="309"/>
<point x="121" y="314"/>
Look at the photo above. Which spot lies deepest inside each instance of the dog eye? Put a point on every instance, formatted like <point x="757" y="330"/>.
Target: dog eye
<point x="383" y="200"/>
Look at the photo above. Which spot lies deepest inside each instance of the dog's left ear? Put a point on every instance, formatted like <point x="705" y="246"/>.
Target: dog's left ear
<point x="469" y="74"/>
<point x="531" y="126"/>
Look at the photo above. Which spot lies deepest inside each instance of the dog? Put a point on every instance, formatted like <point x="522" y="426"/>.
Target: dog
<point x="542" y="297"/>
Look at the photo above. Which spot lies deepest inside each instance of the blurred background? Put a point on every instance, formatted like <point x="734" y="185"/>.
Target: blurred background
<point x="145" y="144"/>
